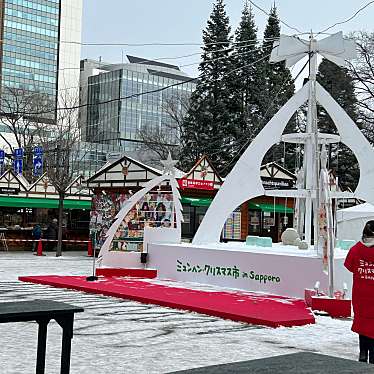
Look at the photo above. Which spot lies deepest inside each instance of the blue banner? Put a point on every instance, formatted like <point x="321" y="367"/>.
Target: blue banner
<point x="18" y="153"/>
<point x="18" y="165"/>
<point x="38" y="166"/>
<point x="2" y="161"/>
<point x="38" y="151"/>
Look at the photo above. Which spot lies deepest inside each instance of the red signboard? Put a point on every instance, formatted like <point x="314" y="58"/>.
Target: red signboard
<point x="195" y="184"/>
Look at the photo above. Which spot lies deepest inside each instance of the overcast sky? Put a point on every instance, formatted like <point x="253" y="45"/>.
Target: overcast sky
<point x="177" y="21"/>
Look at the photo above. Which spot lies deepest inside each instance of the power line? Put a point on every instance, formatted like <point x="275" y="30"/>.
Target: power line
<point x="216" y="59"/>
<point x="135" y="95"/>
<point x="215" y="140"/>
<point x="161" y="58"/>
<point x="161" y="89"/>
<point x="281" y="21"/>
<point x="230" y="49"/>
<point x="156" y="44"/>
<point x="348" y="19"/>
<point x="266" y="112"/>
<point x="138" y="94"/>
<point x="147" y="61"/>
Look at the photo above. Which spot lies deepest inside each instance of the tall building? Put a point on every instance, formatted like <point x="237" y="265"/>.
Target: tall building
<point x="112" y="116"/>
<point x="39" y="47"/>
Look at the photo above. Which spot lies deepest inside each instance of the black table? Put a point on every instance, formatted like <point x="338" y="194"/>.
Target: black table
<point x="296" y="363"/>
<point x="42" y="311"/>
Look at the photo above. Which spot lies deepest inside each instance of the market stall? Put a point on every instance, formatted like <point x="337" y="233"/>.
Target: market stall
<point x="24" y="205"/>
<point x="351" y="221"/>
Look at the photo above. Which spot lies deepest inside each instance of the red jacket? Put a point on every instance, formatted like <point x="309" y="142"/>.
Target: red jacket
<point x="360" y="261"/>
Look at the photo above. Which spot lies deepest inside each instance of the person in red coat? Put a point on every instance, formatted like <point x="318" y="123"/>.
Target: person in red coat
<point x="360" y="261"/>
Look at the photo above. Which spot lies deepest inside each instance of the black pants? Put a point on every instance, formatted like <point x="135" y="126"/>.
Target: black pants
<point x="366" y="349"/>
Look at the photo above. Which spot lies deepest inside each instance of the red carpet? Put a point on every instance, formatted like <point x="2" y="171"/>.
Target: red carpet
<point x="259" y="309"/>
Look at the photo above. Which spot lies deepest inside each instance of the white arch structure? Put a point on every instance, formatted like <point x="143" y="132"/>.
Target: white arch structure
<point x="244" y="182"/>
<point x="129" y="204"/>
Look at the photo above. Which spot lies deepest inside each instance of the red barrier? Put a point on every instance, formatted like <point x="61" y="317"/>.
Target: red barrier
<point x="334" y="307"/>
<point x="39" y="251"/>
<point x="89" y="249"/>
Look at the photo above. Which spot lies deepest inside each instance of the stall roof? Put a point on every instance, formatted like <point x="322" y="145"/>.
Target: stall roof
<point x="204" y="170"/>
<point x="125" y="172"/>
<point x="355" y="212"/>
<point x="274" y="170"/>
<point x="206" y="201"/>
<point x="30" y="202"/>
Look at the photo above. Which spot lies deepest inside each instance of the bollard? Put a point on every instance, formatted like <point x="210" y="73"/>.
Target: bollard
<point x="89" y="249"/>
<point x="39" y="251"/>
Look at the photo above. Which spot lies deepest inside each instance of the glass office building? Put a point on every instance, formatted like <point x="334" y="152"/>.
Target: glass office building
<point x="30" y="50"/>
<point x="116" y="114"/>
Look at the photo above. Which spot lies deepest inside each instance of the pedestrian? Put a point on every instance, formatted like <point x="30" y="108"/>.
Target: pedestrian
<point x="36" y="236"/>
<point x="51" y="234"/>
<point x="360" y="262"/>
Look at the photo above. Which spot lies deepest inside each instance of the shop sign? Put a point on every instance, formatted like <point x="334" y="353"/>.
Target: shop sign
<point x="9" y="191"/>
<point x="195" y="184"/>
<point x="277" y="184"/>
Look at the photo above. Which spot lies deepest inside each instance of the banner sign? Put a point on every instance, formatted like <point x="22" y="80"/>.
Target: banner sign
<point x="18" y="153"/>
<point x="196" y="184"/>
<point x="38" y="162"/>
<point x="18" y="166"/>
<point x="18" y="161"/>
<point x="38" y="151"/>
<point x="37" y="166"/>
<point x="2" y="160"/>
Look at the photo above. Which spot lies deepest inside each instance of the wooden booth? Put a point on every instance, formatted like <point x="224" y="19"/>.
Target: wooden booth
<point x="118" y="180"/>
<point x="24" y="205"/>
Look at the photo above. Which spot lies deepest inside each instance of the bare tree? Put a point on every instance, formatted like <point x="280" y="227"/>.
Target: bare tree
<point x="60" y="141"/>
<point x="362" y="70"/>
<point x="19" y="110"/>
<point x="32" y="119"/>
<point x="164" y="138"/>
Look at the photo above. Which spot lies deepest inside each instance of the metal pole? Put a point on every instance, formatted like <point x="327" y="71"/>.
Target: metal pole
<point x="93" y="277"/>
<point x="310" y="145"/>
<point x="331" y="247"/>
<point x="94" y="256"/>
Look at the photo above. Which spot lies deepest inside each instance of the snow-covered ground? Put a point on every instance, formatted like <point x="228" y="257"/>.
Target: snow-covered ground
<point x="115" y="336"/>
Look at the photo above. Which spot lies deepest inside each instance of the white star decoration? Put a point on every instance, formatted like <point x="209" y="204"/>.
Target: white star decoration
<point x="169" y="165"/>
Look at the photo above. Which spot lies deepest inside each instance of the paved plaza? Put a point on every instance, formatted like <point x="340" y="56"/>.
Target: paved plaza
<point x="116" y="336"/>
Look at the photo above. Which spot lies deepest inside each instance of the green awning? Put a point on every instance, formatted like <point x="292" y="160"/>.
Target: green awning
<point x="278" y="208"/>
<point x="197" y="201"/>
<point x="206" y="201"/>
<point x="30" y="202"/>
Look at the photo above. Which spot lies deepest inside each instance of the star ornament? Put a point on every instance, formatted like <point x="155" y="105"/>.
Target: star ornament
<point x="169" y="165"/>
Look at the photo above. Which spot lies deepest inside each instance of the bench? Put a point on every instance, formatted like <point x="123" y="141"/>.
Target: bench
<point x="42" y="311"/>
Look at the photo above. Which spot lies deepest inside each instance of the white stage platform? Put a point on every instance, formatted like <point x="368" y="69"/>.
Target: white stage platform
<point x="280" y="270"/>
